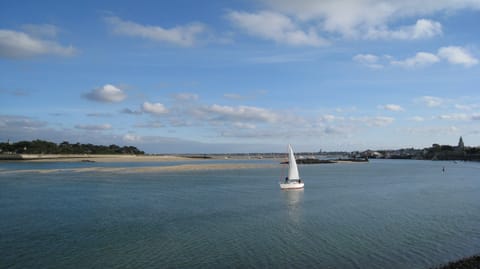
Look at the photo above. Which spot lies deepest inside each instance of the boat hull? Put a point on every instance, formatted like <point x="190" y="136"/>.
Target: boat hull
<point x="291" y="185"/>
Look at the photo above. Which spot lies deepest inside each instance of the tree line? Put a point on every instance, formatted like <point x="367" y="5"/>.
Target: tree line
<point x="46" y="147"/>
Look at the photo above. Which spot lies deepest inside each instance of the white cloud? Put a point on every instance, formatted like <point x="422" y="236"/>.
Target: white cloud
<point x="419" y="60"/>
<point x="391" y="107"/>
<point x="430" y="101"/>
<point x="240" y="113"/>
<point x="277" y="27"/>
<point x="420" y="30"/>
<point x="18" y="45"/>
<point x="457" y="55"/>
<point x="381" y="121"/>
<point x="467" y="107"/>
<point x="451" y="54"/>
<point x="186" y="36"/>
<point x="129" y="138"/>
<point x="8" y="122"/>
<point x="330" y="118"/>
<point x="154" y="108"/>
<point x="455" y="117"/>
<point x="368" y="60"/>
<point x="93" y="127"/>
<point x="355" y="18"/>
<point x="344" y="17"/>
<point x="108" y="94"/>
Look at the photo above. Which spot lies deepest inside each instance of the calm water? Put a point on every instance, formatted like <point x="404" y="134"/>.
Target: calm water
<point x="384" y="214"/>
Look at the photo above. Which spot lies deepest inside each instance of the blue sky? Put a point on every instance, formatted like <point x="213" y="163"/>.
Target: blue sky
<point x="241" y="76"/>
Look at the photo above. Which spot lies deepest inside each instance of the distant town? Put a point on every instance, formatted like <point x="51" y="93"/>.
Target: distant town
<point x="460" y="152"/>
<point x="435" y="152"/>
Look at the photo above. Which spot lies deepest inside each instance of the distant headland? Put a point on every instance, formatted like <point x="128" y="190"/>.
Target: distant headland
<point x="17" y="151"/>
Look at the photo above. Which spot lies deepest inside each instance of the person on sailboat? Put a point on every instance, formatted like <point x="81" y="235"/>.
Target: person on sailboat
<point x="286" y="179"/>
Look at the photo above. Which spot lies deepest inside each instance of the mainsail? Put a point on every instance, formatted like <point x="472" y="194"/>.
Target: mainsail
<point x="292" y="165"/>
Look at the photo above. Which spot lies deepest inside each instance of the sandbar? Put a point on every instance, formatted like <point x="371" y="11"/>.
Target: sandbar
<point x="148" y="169"/>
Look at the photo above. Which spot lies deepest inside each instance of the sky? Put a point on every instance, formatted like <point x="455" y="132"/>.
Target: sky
<point x="241" y="76"/>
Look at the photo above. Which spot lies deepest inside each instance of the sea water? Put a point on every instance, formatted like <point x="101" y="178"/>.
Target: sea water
<point x="381" y="214"/>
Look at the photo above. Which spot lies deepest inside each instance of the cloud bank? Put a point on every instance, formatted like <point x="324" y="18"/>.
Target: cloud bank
<point x="371" y="18"/>
<point x="154" y="108"/>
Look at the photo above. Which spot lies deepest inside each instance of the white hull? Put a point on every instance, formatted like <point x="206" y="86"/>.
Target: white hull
<point x="291" y="185"/>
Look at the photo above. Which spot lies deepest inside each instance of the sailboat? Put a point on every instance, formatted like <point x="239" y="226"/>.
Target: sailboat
<point x="292" y="181"/>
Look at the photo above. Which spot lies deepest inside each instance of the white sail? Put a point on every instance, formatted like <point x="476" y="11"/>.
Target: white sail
<point x="293" y="180"/>
<point x="292" y="165"/>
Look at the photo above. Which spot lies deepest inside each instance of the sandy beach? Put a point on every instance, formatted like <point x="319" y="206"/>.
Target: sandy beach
<point x="98" y="158"/>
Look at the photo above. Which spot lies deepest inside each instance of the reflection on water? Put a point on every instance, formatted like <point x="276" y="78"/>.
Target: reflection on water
<point x="293" y="201"/>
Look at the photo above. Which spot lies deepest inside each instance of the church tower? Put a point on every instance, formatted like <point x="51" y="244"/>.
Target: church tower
<point x="460" y="143"/>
